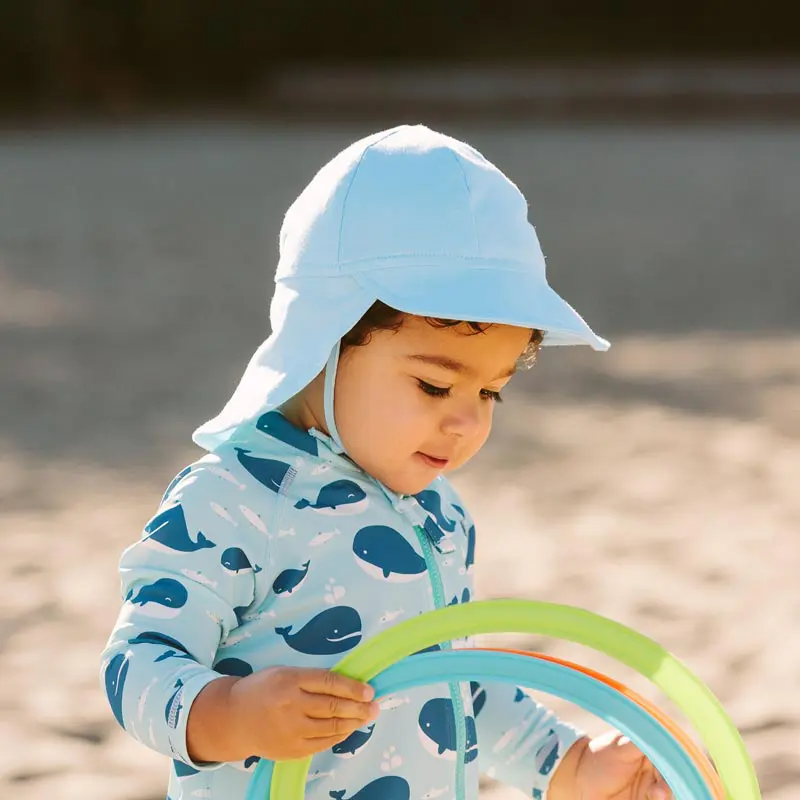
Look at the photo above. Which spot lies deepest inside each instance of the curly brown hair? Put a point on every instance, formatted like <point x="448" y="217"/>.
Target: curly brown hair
<point x="381" y="317"/>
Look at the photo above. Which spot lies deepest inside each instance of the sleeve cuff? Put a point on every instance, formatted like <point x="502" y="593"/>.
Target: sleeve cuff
<point x="177" y="716"/>
<point x="548" y="758"/>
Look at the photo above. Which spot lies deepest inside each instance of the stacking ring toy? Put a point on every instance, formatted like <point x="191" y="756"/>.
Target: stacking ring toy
<point x="666" y="753"/>
<point x="698" y="756"/>
<point x="383" y="652"/>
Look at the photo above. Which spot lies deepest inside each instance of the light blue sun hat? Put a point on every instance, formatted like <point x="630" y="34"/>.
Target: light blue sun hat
<point x="411" y="217"/>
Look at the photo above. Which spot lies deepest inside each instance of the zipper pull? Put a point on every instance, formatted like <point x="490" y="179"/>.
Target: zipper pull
<point x="437" y="537"/>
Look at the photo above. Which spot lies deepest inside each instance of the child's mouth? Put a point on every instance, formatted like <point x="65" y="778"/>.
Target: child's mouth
<point x="436" y="463"/>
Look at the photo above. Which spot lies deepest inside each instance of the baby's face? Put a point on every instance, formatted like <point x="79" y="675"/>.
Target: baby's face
<point x="419" y="401"/>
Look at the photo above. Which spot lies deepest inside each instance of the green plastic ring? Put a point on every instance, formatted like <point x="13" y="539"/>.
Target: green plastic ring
<point x="677" y="682"/>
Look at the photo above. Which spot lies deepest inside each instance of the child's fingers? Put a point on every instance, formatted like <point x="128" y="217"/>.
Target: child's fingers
<point x="323" y="681"/>
<point x="325" y="706"/>
<point x="332" y="727"/>
<point x="660" y="790"/>
<point x="321" y="744"/>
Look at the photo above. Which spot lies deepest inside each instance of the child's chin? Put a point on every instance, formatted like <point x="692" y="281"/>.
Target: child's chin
<point x="409" y="479"/>
<point x="409" y="485"/>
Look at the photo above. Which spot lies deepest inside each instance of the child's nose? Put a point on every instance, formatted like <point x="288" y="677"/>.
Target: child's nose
<point x="463" y="422"/>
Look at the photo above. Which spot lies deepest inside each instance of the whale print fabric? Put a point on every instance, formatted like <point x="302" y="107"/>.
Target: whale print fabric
<point x="275" y="550"/>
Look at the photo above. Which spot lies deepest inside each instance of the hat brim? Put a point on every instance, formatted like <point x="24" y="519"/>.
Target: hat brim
<point x="503" y="296"/>
<point x="308" y="323"/>
<point x="306" y="326"/>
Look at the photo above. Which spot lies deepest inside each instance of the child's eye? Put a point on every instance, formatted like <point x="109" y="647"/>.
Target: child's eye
<point x="433" y="391"/>
<point x="439" y="391"/>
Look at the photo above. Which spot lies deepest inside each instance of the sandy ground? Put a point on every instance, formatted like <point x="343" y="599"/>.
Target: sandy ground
<point x="655" y="484"/>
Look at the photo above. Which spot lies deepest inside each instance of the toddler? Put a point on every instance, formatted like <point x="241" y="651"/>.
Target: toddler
<point x="410" y="287"/>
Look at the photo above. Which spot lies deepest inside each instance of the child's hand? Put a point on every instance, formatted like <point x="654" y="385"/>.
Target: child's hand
<point x="609" y="767"/>
<point x="291" y="712"/>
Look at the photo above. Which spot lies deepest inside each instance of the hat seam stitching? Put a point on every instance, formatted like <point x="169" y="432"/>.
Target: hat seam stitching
<point x="347" y="194"/>
<point x="390" y="258"/>
<point x="289" y="279"/>
<point x="469" y="197"/>
<point x="428" y="255"/>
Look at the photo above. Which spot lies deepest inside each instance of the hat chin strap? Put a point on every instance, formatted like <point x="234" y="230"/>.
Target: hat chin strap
<point x="334" y="441"/>
<point x="330" y="383"/>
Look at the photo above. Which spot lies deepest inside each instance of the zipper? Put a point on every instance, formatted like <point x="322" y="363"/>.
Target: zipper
<point x="439" y="601"/>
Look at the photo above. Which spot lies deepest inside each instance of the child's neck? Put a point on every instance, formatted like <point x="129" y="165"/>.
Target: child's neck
<point x="299" y="412"/>
<point x="305" y="410"/>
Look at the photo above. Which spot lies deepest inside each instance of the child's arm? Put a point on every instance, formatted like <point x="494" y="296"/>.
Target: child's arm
<point x="521" y="742"/>
<point x="186" y="585"/>
<point x="183" y="587"/>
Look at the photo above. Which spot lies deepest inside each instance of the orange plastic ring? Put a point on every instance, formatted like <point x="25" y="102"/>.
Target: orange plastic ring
<point x="700" y="759"/>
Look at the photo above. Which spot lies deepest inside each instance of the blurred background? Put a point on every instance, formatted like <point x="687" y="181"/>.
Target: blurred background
<point x="148" y="151"/>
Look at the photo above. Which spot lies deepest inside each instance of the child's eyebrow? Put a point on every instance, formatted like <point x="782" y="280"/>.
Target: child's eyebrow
<point x="445" y="362"/>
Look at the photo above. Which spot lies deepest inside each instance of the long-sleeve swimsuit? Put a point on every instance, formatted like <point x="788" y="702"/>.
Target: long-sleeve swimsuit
<point x="276" y="549"/>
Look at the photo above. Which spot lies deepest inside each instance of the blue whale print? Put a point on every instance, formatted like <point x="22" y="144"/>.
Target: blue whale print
<point x="519" y="696"/>
<point x="251" y="761"/>
<point x="171" y="654"/>
<point x="115" y="675"/>
<point x="382" y="551"/>
<point x="154" y="637"/>
<point x="389" y="787"/>
<point x="235" y="560"/>
<point x="547" y="754"/>
<point x="464" y="598"/>
<point x="167" y="597"/>
<point x="290" y="579"/>
<point x="353" y="743"/>
<point x="334" y="630"/>
<point x="167" y="531"/>
<point x="176" y="480"/>
<point x="173" y="708"/>
<point x="471" y="745"/>
<point x="437" y="725"/>
<point x="432" y="503"/>
<point x="478" y="697"/>
<point x="434" y="648"/>
<point x="233" y="666"/>
<point x="276" y="425"/>
<point x="470" y="547"/>
<point x="266" y="471"/>
<point x="183" y="770"/>
<point x="435" y="533"/>
<point x="342" y="495"/>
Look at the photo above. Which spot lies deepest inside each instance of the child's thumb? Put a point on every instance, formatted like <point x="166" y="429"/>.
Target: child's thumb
<point x="659" y="791"/>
